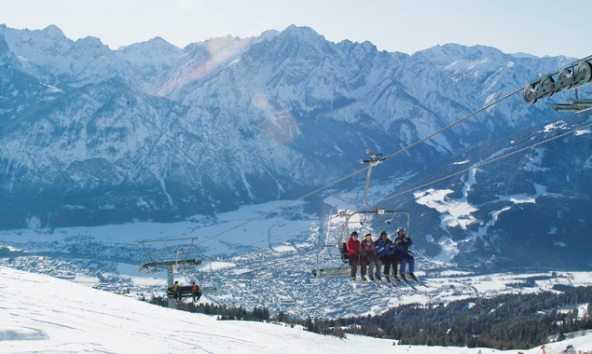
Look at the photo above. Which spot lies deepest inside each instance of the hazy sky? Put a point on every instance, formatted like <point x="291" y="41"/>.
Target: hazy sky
<point x="539" y="27"/>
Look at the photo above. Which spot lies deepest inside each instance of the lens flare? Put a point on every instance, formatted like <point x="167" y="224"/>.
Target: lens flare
<point x="220" y="51"/>
<point x="279" y="125"/>
<point x="259" y="100"/>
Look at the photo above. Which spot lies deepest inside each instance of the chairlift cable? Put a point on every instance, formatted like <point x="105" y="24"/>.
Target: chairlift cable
<point x="488" y="162"/>
<point x="501" y="157"/>
<point x="284" y="205"/>
<point x="454" y="123"/>
<point x="522" y="89"/>
<point x="362" y="169"/>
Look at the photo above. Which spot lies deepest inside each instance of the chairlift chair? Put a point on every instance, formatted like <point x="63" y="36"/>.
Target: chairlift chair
<point x="332" y="271"/>
<point x="370" y="222"/>
<point x="374" y="212"/>
<point x="176" y="265"/>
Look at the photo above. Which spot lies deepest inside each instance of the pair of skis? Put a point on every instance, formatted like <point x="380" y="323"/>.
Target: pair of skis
<point x="392" y="284"/>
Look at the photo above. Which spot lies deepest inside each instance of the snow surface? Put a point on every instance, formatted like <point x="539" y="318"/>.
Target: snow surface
<point x="41" y="314"/>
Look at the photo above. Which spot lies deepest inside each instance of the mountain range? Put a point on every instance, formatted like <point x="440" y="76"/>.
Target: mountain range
<point x="93" y="136"/>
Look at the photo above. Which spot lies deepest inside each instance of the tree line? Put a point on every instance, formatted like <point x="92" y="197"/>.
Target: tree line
<point x="503" y="322"/>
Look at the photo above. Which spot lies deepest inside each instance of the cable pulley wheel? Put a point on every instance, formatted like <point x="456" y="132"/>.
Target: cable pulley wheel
<point x="529" y="94"/>
<point x="583" y="73"/>
<point x="565" y="80"/>
<point x="546" y="87"/>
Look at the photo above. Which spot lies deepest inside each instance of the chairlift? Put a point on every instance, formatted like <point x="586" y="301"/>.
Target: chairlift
<point x="370" y="218"/>
<point x="181" y="264"/>
<point x="332" y="271"/>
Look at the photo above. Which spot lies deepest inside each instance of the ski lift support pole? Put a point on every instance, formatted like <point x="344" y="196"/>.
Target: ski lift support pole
<point x="375" y="159"/>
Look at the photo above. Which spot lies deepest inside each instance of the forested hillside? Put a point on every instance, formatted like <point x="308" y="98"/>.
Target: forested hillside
<point x="503" y="322"/>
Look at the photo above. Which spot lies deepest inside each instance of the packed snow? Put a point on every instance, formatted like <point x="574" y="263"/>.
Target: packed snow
<point x="42" y="314"/>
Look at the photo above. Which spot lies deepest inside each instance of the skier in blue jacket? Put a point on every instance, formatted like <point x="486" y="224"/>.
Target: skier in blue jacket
<point x="402" y="244"/>
<point x="385" y="250"/>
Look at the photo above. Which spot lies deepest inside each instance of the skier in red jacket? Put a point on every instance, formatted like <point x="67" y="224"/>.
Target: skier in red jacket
<point x="353" y="251"/>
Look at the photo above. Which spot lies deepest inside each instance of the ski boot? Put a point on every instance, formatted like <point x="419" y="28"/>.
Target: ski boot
<point x="353" y="279"/>
<point x="372" y="278"/>
<point x="402" y="276"/>
<point x="412" y="276"/>
<point x="364" y="278"/>
<point x="396" y="278"/>
<point x="378" y="277"/>
<point x="386" y="278"/>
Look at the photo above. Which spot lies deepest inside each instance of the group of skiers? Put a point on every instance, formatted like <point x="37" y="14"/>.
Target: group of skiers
<point x="176" y="291"/>
<point x="371" y="255"/>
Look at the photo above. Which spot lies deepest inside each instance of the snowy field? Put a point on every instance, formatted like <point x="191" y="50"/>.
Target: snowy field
<point x="42" y="314"/>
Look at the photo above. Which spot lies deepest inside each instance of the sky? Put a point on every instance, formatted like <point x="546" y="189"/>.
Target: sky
<point x="537" y="27"/>
<point x="41" y="314"/>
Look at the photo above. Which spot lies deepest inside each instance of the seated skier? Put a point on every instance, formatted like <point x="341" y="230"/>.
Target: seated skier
<point x="353" y="251"/>
<point x="368" y="256"/>
<point x="385" y="250"/>
<point x="405" y="256"/>
<point x="195" y="292"/>
<point x="176" y="291"/>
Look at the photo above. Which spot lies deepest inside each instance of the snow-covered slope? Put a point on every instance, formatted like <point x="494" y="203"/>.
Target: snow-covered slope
<point x="43" y="314"/>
